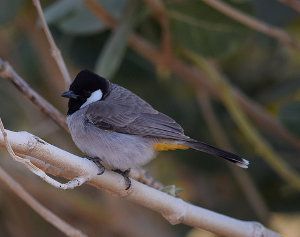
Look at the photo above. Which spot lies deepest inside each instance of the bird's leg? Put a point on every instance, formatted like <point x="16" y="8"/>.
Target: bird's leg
<point x="125" y="174"/>
<point x="97" y="161"/>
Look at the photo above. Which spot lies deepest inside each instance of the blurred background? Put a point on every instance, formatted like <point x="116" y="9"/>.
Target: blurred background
<point x="265" y="70"/>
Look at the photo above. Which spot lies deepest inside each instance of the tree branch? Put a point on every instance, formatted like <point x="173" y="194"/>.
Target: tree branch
<point x="56" y="54"/>
<point x="37" y="171"/>
<point x="159" y="10"/>
<point x="173" y="209"/>
<point x="47" y="215"/>
<point x="7" y="72"/>
<point x="294" y="4"/>
<point x="254" y="23"/>
<point x="101" y="13"/>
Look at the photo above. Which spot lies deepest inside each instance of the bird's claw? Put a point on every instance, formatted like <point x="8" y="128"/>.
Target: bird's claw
<point x="97" y="161"/>
<point x="125" y="175"/>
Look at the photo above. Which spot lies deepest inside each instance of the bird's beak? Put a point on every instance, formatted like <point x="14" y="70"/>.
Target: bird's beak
<point x="69" y="94"/>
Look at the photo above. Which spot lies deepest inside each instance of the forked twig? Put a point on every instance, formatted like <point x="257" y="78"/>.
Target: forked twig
<point x="40" y="173"/>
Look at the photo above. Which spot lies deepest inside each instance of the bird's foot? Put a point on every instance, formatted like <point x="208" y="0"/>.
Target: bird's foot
<point x="97" y="161"/>
<point x="125" y="175"/>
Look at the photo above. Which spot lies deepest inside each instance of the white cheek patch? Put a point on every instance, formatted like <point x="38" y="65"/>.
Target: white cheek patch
<point x="95" y="96"/>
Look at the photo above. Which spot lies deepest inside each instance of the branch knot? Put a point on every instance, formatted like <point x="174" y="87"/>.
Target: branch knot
<point x="176" y="216"/>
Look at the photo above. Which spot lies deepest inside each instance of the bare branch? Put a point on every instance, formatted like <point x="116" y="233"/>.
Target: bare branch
<point x="38" y="207"/>
<point x="7" y="72"/>
<point x="46" y="167"/>
<point x="137" y="174"/>
<point x="159" y="10"/>
<point x="197" y="79"/>
<point x="56" y="54"/>
<point x="101" y="13"/>
<point x="294" y="4"/>
<point x="253" y="23"/>
<point x="173" y="209"/>
<point x="37" y="171"/>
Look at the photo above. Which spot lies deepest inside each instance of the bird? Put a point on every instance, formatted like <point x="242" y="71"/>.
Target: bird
<point x="118" y="130"/>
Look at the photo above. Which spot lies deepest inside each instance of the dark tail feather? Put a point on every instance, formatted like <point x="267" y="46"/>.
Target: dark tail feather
<point x="201" y="146"/>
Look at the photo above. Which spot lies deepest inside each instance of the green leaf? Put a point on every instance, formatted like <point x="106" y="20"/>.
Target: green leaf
<point x="289" y="115"/>
<point x="73" y="17"/>
<point x="114" y="50"/>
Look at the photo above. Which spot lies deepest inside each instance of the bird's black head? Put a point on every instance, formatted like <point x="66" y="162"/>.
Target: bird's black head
<point x="86" y="88"/>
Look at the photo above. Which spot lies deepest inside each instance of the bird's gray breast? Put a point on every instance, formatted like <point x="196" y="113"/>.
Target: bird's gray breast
<point x="117" y="150"/>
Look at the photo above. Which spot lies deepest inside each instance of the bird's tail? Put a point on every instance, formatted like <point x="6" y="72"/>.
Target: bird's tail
<point x="201" y="146"/>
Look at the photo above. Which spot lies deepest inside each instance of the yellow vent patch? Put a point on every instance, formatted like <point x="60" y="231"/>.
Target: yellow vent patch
<point x="168" y="146"/>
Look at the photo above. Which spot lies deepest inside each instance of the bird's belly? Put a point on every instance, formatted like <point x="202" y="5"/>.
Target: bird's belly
<point x="117" y="150"/>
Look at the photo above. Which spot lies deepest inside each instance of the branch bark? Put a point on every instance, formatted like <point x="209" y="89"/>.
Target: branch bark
<point x="173" y="209"/>
<point x="7" y="72"/>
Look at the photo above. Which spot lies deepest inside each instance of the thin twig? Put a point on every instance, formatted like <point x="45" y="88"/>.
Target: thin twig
<point x="46" y="167"/>
<point x="159" y="10"/>
<point x="99" y="11"/>
<point x="45" y="213"/>
<point x="243" y="178"/>
<point x="173" y="209"/>
<point x="253" y="23"/>
<point x="54" y="49"/>
<point x="261" y="146"/>
<point x="113" y="212"/>
<point x="294" y="4"/>
<point x="137" y="174"/>
<point x="75" y="182"/>
<point x="197" y="79"/>
<point x="7" y="72"/>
